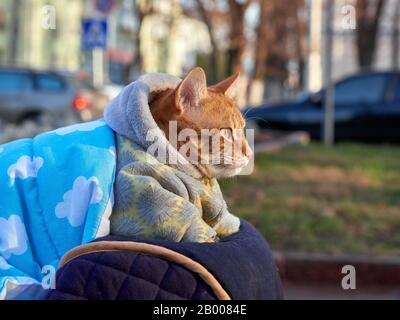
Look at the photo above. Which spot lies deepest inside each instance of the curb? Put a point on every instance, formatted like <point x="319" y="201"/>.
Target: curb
<point x="323" y="269"/>
<point x="278" y="140"/>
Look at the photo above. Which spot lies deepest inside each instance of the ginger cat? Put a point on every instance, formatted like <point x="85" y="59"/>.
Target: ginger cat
<point x="192" y="105"/>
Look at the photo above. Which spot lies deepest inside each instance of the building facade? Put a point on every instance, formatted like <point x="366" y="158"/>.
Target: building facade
<point x="47" y="34"/>
<point x="41" y="33"/>
<point x="344" y="58"/>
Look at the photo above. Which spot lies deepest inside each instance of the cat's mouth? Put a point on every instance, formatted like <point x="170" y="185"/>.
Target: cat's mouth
<point x="223" y="169"/>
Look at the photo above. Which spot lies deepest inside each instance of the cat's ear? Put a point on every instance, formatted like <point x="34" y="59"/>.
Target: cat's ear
<point x="191" y="90"/>
<point x="227" y="86"/>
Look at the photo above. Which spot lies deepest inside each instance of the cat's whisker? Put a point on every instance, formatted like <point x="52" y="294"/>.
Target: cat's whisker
<point x="247" y="111"/>
<point x="261" y="119"/>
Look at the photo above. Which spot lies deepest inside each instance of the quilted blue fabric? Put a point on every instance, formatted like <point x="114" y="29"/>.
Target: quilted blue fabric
<point x="242" y="263"/>
<point x="55" y="194"/>
<point x="127" y="276"/>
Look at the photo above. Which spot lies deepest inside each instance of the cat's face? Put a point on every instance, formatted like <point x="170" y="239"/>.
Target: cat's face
<point x="219" y="142"/>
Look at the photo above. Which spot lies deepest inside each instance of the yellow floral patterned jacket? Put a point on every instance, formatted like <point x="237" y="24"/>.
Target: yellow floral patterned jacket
<point x="156" y="201"/>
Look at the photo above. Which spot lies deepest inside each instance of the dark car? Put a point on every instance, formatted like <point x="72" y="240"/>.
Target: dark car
<point x="367" y="108"/>
<point x="27" y="93"/>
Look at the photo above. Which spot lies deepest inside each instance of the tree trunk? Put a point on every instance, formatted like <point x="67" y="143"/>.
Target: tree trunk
<point x="256" y="86"/>
<point x="263" y="37"/>
<point x="395" y="37"/>
<point x="367" y="30"/>
<point x="142" y="9"/>
<point x="301" y="40"/>
<point x="281" y="37"/>
<point x="213" y="74"/>
<point x="15" y="31"/>
<point x="238" y="39"/>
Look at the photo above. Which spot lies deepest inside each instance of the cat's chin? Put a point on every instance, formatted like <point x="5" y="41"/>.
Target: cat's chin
<point x="218" y="172"/>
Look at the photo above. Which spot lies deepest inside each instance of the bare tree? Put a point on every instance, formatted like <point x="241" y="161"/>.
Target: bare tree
<point x="263" y="40"/>
<point x="279" y="41"/>
<point x="395" y="37"/>
<point x="300" y="36"/>
<point x="369" y="13"/>
<point x="142" y="9"/>
<point x="238" y="41"/>
<point x="15" y="31"/>
<point x="207" y="17"/>
<point x="234" y="19"/>
<point x="281" y="37"/>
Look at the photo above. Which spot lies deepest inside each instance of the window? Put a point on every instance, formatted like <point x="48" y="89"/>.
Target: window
<point x="365" y="89"/>
<point x="15" y="82"/>
<point x="49" y="82"/>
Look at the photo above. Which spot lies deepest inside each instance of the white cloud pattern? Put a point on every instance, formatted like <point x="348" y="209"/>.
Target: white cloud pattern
<point x="86" y="126"/>
<point x="13" y="238"/>
<point x="25" y="167"/>
<point x="113" y="151"/>
<point x="76" y="201"/>
<point x="104" y="227"/>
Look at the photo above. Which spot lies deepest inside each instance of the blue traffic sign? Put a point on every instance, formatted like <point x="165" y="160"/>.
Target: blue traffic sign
<point x="105" y="6"/>
<point x="94" y="33"/>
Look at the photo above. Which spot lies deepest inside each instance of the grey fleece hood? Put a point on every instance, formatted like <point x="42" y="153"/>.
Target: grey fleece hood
<point x="129" y="115"/>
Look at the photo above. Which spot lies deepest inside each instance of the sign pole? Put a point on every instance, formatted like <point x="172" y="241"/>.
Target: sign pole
<point x="314" y="66"/>
<point x="95" y="39"/>
<point x="98" y="67"/>
<point x="329" y="115"/>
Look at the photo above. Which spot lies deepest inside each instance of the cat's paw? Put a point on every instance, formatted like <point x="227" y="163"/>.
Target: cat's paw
<point x="229" y="224"/>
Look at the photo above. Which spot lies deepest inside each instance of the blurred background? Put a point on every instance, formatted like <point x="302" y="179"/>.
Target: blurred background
<point x="320" y="84"/>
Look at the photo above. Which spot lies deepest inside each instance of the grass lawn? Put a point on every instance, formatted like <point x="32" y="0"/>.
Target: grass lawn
<point x="344" y="200"/>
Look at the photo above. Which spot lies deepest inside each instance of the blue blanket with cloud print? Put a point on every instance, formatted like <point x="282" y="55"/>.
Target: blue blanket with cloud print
<point x="56" y="192"/>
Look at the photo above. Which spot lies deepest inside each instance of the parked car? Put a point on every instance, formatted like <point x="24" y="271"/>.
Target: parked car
<point x="28" y="94"/>
<point x="94" y="99"/>
<point x="367" y="108"/>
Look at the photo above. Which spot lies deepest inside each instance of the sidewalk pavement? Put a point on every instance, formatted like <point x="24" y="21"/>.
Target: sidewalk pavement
<point x="319" y="277"/>
<point x="332" y="292"/>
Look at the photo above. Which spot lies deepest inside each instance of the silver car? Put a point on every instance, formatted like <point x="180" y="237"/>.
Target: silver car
<point x="28" y="94"/>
